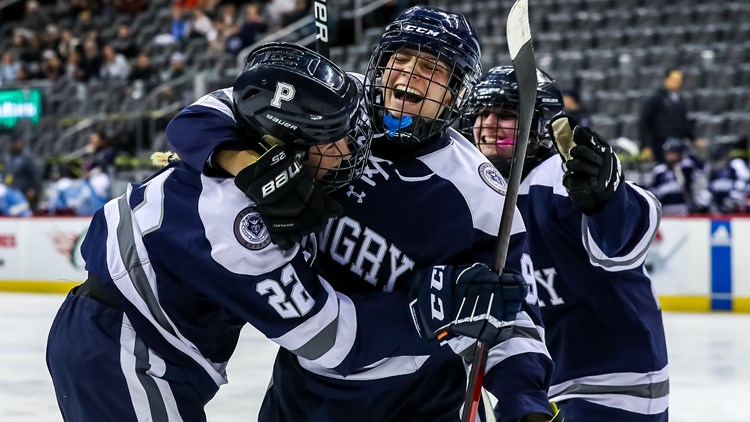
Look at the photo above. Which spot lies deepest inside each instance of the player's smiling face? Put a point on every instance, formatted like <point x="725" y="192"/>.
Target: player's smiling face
<point x="495" y="132"/>
<point x="416" y="84"/>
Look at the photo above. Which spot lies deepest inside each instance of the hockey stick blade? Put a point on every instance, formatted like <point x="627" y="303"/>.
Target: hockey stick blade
<point x="518" y="33"/>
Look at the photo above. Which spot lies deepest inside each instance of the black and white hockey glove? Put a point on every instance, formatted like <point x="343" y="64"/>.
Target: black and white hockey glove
<point x="593" y="171"/>
<point x="466" y="300"/>
<point x="291" y="205"/>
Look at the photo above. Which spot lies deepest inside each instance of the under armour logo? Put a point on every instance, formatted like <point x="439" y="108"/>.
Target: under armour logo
<point x="358" y="195"/>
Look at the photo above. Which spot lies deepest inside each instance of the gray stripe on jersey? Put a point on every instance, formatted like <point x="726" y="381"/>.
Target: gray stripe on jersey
<point x="129" y="255"/>
<point x="321" y="343"/>
<point x="223" y="98"/>
<point x="526" y="332"/>
<point x="156" y="405"/>
<point x="648" y="391"/>
<point x="611" y="263"/>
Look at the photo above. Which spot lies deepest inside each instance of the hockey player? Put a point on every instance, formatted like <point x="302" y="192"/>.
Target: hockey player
<point x="427" y="197"/>
<point x="727" y="180"/>
<point x="181" y="262"/>
<point x="588" y="233"/>
<point x="680" y="183"/>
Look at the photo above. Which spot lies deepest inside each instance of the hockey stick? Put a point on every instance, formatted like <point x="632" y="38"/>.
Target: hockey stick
<point x="518" y="33"/>
<point x="320" y="10"/>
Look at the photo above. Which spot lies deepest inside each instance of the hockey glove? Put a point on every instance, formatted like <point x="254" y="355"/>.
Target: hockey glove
<point x="466" y="300"/>
<point x="593" y="171"/>
<point x="291" y="205"/>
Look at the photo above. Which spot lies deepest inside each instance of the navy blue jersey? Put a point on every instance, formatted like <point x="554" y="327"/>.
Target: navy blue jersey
<point x="681" y="189"/>
<point x="603" y="321"/>
<point x="728" y="186"/>
<point x="190" y="274"/>
<point x="440" y="205"/>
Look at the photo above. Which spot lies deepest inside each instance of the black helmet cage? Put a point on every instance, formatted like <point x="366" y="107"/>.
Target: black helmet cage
<point x="307" y="102"/>
<point x="498" y="93"/>
<point x="447" y="38"/>
<point x="353" y="154"/>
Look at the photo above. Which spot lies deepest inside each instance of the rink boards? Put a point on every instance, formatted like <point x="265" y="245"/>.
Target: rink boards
<point x="696" y="263"/>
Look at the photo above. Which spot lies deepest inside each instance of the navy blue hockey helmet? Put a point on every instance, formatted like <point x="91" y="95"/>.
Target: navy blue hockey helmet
<point x="498" y="93"/>
<point x="411" y="100"/>
<point x="304" y="100"/>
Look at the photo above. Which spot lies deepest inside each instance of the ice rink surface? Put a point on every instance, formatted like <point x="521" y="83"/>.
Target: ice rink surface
<point x="709" y="366"/>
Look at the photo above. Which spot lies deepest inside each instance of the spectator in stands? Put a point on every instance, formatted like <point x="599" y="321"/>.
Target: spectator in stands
<point x="574" y="107"/>
<point x="253" y="24"/>
<point x="176" y="67"/>
<point x="226" y="26"/>
<point x="180" y="25"/>
<point x="202" y="26"/>
<point x="72" y="69"/>
<point x="13" y="203"/>
<point x="143" y="70"/>
<point x="8" y="68"/>
<point x="51" y="67"/>
<point x="21" y="170"/>
<point x="664" y="115"/>
<point x="300" y="10"/>
<point x="35" y="19"/>
<point x="91" y="61"/>
<point x="115" y="66"/>
<point x="67" y="44"/>
<point x="727" y="181"/>
<point x="124" y="43"/>
<point x="680" y="183"/>
<point x="99" y="154"/>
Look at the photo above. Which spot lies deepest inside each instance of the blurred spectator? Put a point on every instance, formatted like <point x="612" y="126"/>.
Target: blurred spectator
<point x="21" y="170"/>
<point x="124" y="43"/>
<point x="176" y="67"/>
<point x="727" y="180"/>
<point x="67" y="44"/>
<point x="51" y="37"/>
<point x="35" y="19"/>
<point x="664" y="115"/>
<point x="180" y="27"/>
<point x="13" y="203"/>
<point x="680" y="182"/>
<point x="143" y="70"/>
<point x="83" y="10"/>
<point x="8" y="68"/>
<point x="275" y="10"/>
<point x="100" y="154"/>
<point x="115" y="66"/>
<point x="300" y="10"/>
<point x="82" y="196"/>
<point x="227" y="25"/>
<point x="91" y="61"/>
<point x="51" y="66"/>
<point x="202" y="26"/>
<point x="252" y="25"/>
<point x="72" y="69"/>
<point x="574" y="107"/>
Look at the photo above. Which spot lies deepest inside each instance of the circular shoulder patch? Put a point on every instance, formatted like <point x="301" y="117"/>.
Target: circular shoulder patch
<point x="250" y="230"/>
<point x="493" y="178"/>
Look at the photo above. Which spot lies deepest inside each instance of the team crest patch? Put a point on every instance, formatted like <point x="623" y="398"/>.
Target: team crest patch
<point x="493" y="178"/>
<point x="250" y="230"/>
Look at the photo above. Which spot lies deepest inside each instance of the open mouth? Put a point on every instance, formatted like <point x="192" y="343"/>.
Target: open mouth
<point x="498" y="141"/>
<point x="407" y="94"/>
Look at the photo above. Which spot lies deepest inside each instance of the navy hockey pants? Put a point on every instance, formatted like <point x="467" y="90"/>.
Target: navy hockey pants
<point x="102" y="371"/>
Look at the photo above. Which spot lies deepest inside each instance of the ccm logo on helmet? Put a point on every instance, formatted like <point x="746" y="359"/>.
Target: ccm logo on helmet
<point x="420" y="30"/>
<point x="284" y="92"/>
